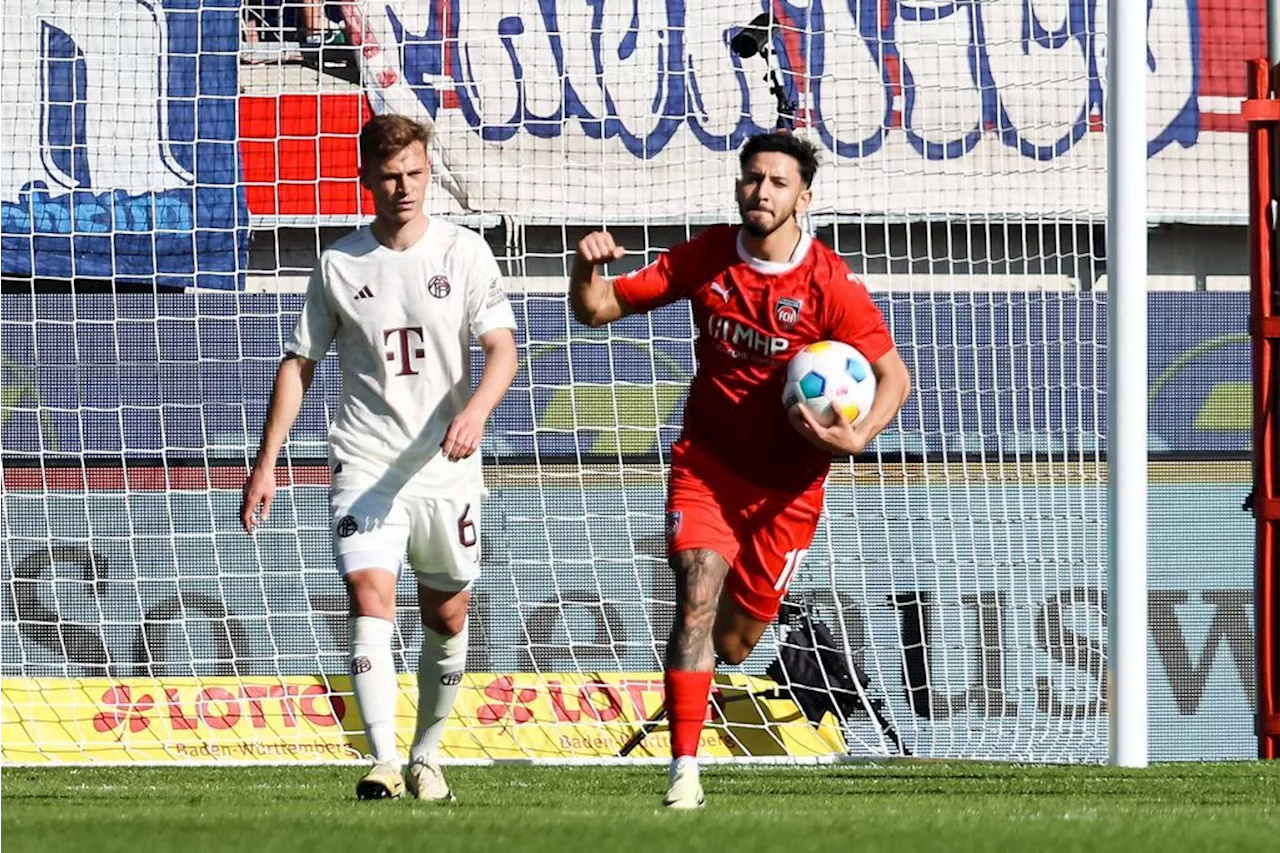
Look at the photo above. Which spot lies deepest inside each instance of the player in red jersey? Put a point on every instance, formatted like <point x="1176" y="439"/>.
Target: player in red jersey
<point x="746" y="482"/>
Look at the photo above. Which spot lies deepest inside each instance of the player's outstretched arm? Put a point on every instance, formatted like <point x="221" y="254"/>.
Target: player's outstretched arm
<point x="293" y="378"/>
<point x="893" y="386"/>
<point x="594" y="299"/>
<point x="467" y="429"/>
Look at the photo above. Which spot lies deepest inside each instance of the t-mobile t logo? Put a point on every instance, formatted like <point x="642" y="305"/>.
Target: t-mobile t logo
<point x="406" y="348"/>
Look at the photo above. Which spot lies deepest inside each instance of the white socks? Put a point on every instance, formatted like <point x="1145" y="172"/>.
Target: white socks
<point x="373" y="678"/>
<point x="440" y="669"/>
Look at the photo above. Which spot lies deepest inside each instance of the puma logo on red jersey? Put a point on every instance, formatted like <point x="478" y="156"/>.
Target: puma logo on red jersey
<point x="720" y="290"/>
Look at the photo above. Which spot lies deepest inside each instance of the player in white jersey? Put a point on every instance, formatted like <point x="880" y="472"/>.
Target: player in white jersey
<point x="401" y="298"/>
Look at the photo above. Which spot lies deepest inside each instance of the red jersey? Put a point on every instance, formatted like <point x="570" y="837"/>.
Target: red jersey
<point x="752" y="317"/>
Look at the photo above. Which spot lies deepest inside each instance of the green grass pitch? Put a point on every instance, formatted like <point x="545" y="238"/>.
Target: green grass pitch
<point x="864" y="808"/>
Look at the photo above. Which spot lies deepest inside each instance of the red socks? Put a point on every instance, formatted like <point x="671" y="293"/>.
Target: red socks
<point x="686" y="699"/>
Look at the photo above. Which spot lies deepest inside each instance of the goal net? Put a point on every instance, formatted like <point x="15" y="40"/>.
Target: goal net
<point x="183" y="162"/>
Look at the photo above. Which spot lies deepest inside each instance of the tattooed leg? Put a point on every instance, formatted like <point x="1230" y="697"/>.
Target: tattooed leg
<point x="699" y="576"/>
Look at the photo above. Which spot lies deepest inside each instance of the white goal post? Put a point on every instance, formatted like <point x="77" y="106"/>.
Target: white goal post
<point x="1127" y="384"/>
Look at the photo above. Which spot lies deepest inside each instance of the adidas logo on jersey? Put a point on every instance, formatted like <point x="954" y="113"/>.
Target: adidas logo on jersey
<point x="365" y="292"/>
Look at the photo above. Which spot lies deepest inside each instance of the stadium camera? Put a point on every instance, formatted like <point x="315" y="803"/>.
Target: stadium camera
<point x="754" y="39"/>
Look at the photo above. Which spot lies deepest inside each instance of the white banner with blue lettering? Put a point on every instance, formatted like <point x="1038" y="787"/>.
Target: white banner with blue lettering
<point x="568" y="110"/>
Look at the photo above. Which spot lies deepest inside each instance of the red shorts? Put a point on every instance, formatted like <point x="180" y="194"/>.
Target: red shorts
<point x="763" y="534"/>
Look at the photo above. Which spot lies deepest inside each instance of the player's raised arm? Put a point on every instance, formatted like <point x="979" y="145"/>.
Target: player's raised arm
<point x="598" y="300"/>
<point x="595" y="300"/>
<point x="293" y="378"/>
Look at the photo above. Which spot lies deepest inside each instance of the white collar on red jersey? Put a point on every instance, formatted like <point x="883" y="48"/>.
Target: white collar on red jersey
<point x="776" y="267"/>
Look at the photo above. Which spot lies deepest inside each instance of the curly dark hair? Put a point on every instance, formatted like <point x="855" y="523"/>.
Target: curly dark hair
<point x="804" y="152"/>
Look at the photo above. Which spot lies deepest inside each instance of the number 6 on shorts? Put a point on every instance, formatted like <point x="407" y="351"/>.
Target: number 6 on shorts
<point x="466" y="528"/>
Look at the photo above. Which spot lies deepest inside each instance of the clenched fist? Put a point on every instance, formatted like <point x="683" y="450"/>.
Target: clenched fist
<point x="598" y="248"/>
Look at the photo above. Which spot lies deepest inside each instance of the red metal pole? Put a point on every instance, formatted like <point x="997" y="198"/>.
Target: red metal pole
<point x="1262" y="112"/>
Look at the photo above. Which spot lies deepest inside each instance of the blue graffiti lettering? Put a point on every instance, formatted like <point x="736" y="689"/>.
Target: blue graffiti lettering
<point x="949" y="73"/>
<point x="850" y="120"/>
<point x="40" y="212"/>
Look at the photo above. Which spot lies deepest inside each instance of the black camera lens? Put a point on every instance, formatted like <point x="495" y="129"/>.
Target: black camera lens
<point x="753" y="38"/>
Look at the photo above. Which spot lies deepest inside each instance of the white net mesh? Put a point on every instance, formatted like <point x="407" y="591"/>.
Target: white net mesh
<point x="959" y="568"/>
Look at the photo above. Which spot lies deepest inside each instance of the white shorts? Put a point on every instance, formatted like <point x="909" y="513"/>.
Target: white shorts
<point x="374" y="527"/>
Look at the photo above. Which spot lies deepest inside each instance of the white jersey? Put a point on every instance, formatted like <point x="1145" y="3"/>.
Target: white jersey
<point x="402" y="321"/>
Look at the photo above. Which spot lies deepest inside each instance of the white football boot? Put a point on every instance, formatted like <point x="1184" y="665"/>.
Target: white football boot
<point x="382" y="782"/>
<point x="425" y="780"/>
<point x="685" y="791"/>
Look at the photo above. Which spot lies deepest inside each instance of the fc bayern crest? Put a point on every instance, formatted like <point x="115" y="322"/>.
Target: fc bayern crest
<point x="438" y="286"/>
<point x="788" y="310"/>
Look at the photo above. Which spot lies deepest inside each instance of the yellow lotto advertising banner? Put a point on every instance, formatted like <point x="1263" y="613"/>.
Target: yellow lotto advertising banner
<point x="515" y="716"/>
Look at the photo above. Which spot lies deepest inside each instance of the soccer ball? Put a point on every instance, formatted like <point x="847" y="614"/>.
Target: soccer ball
<point x="827" y="374"/>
